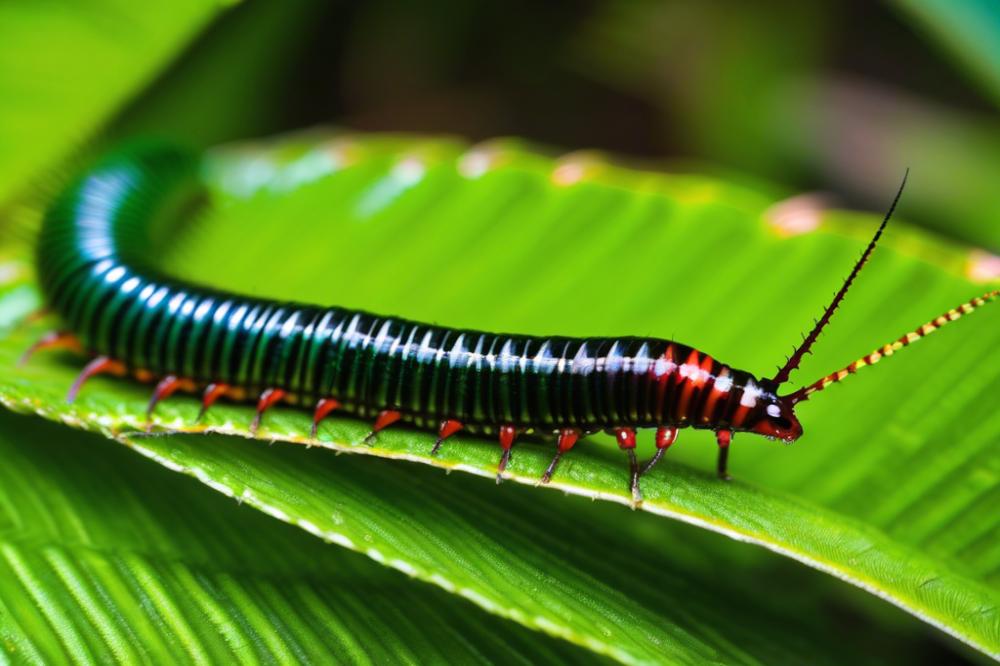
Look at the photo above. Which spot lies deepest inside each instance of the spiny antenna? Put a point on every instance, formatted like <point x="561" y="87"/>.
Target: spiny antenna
<point x="803" y="349"/>
<point x="893" y="347"/>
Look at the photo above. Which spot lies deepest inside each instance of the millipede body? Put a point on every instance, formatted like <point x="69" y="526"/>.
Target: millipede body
<point x="96" y="273"/>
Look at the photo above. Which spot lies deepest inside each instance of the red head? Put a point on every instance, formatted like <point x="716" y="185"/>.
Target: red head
<point x="777" y="418"/>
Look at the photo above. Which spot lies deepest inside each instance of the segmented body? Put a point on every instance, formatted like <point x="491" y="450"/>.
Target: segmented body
<point x="95" y="271"/>
<point x="93" y="264"/>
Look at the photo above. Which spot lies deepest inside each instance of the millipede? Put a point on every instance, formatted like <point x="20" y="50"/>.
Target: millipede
<point x="127" y="317"/>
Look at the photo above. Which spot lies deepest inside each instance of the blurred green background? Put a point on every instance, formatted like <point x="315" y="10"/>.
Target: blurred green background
<point x="837" y="97"/>
<point x="830" y="97"/>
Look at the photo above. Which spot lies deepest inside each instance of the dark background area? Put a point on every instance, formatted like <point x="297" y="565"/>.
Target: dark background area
<point x="840" y="97"/>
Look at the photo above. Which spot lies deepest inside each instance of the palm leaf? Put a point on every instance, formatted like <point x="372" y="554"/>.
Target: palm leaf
<point x="580" y="247"/>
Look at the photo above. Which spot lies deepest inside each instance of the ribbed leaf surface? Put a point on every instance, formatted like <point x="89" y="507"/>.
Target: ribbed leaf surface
<point x="107" y="558"/>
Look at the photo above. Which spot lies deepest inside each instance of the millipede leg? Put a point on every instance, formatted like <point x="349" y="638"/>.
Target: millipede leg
<point x="323" y="408"/>
<point x="507" y="436"/>
<point x="98" y="366"/>
<point x="723" y="437"/>
<point x="626" y="442"/>
<point x="267" y="398"/>
<point x="164" y="389"/>
<point x="212" y="393"/>
<point x="550" y="470"/>
<point x="448" y="428"/>
<point x="384" y="419"/>
<point x="567" y="439"/>
<point x="664" y="438"/>
<point x="652" y="461"/>
<point x="633" y="470"/>
<point x="51" y="340"/>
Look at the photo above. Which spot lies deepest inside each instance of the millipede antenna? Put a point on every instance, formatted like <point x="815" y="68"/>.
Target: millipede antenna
<point x="893" y="347"/>
<point x="793" y="361"/>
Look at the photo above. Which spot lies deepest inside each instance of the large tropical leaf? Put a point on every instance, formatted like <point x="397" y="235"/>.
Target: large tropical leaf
<point x="511" y="554"/>
<point x="107" y="558"/>
<point x="66" y="67"/>
<point x="583" y="248"/>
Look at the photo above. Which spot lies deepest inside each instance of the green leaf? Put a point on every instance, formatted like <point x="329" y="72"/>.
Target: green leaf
<point x="111" y="559"/>
<point x="66" y="67"/>
<point x="968" y="30"/>
<point x="506" y="555"/>
<point x="558" y="565"/>
<point x="510" y="555"/>
<point x="580" y="247"/>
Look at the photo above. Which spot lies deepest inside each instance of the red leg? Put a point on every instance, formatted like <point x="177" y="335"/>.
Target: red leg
<point x="384" y="419"/>
<point x="212" y="393"/>
<point x="448" y="428"/>
<point x="567" y="439"/>
<point x="51" y="340"/>
<point x="507" y="436"/>
<point x="267" y="398"/>
<point x="723" y="437"/>
<point x="164" y="389"/>
<point x="323" y="408"/>
<point x="98" y="366"/>
<point x="664" y="438"/>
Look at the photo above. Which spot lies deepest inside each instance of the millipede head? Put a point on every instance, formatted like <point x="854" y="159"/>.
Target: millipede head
<point x="778" y="419"/>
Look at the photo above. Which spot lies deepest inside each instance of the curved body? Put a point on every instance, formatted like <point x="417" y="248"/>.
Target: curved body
<point x="94" y="269"/>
